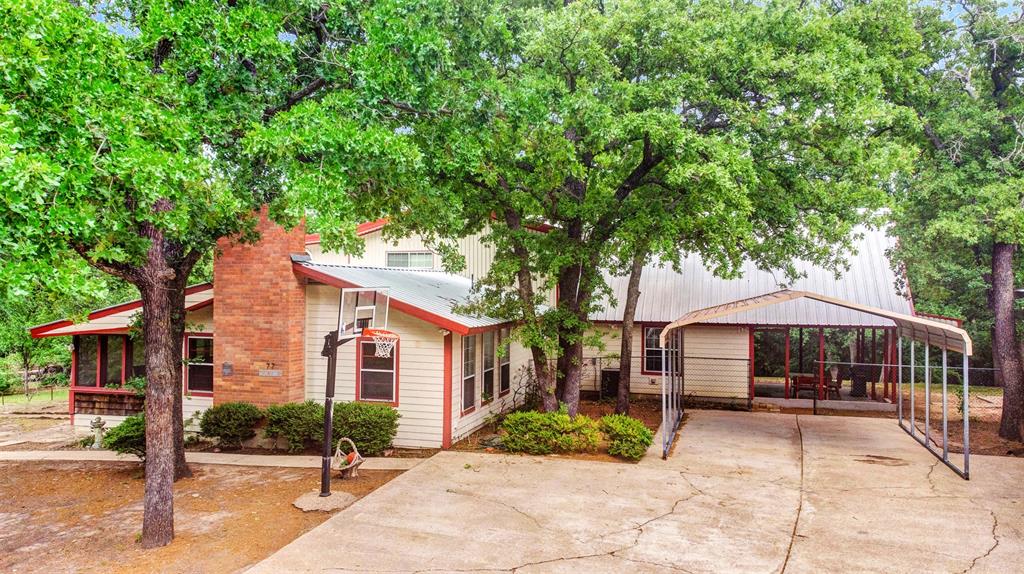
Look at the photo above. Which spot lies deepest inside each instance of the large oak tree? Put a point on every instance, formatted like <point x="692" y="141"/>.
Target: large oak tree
<point x="134" y="134"/>
<point x="734" y="129"/>
<point x="961" y="218"/>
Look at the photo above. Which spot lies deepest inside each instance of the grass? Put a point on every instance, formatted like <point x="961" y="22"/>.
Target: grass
<point x="38" y="397"/>
<point x="978" y="391"/>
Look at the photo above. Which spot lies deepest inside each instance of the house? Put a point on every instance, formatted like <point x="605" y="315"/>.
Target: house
<point x="256" y="333"/>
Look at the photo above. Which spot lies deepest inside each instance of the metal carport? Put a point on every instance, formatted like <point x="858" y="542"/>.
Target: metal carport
<point x="916" y="329"/>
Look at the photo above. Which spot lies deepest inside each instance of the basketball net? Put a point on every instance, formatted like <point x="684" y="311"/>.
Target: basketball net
<point x="383" y="340"/>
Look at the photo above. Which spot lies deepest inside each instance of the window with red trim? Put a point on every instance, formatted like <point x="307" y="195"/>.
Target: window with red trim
<point x="468" y="372"/>
<point x="652" y="349"/>
<point x="504" y="361"/>
<point x="87" y="349"/>
<point x="200" y="364"/>
<point x="489" y="361"/>
<point x="378" y="378"/>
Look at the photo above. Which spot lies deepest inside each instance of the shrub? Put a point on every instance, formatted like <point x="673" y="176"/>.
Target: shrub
<point x="231" y="422"/>
<point x="298" y="423"/>
<point x="9" y="382"/>
<point x="372" y="427"/>
<point x="129" y="437"/>
<point x="628" y="437"/>
<point x="543" y="433"/>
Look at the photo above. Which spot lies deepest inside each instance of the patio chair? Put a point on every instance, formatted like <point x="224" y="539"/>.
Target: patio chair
<point x="347" y="463"/>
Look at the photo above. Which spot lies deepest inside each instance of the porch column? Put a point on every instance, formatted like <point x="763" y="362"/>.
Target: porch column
<point x="821" y="363"/>
<point x="874" y="361"/>
<point x="786" y="369"/>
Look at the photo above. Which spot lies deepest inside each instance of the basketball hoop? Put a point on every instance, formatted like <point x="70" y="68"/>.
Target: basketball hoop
<point x="384" y="341"/>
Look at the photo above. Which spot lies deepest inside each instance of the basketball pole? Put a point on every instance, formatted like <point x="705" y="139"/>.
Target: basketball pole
<point x="330" y="351"/>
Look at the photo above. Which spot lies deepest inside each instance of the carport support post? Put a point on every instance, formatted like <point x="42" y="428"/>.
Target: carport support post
<point x="927" y="391"/>
<point x="967" y="422"/>
<point x="945" y="419"/>
<point x="913" y="412"/>
<point x="664" y="413"/>
<point x="899" y="380"/>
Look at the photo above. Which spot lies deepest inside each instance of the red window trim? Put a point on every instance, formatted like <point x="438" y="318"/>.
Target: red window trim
<point x="643" y="347"/>
<point x="501" y="341"/>
<point x="462" y="375"/>
<point x="185" y="392"/>
<point x="359" y="372"/>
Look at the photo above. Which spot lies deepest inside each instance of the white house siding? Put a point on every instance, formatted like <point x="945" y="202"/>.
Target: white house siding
<point x="465" y="425"/>
<point x="420" y="366"/>
<point x="716" y="361"/>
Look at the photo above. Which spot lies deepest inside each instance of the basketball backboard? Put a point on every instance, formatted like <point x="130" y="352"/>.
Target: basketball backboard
<point x="362" y="308"/>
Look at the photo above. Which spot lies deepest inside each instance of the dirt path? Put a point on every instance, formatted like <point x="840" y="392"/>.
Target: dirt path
<point x="85" y="517"/>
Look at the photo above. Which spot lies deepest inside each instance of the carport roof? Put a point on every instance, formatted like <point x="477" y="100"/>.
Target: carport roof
<point x="928" y="331"/>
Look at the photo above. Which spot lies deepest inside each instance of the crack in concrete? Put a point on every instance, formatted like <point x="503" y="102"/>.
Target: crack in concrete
<point x="503" y="504"/>
<point x="931" y="481"/>
<point x="800" y="504"/>
<point x="995" y="544"/>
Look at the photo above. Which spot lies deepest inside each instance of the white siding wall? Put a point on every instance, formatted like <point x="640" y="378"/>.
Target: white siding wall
<point x="464" y="425"/>
<point x="479" y="255"/>
<point x="420" y="365"/>
<point x="716" y="361"/>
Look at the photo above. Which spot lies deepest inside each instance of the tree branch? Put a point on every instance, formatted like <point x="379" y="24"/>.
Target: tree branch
<point x="294" y="98"/>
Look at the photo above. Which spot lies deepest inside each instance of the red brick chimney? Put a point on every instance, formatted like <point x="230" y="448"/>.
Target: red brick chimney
<point x="259" y="310"/>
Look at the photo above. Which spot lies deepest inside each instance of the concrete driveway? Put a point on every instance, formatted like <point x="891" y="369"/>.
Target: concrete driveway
<point x="744" y="492"/>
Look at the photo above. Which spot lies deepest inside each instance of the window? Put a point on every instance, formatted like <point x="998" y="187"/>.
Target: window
<point x="199" y="377"/>
<point x="489" y="348"/>
<point x="504" y="360"/>
<point x="136" y="358"/>
<point x="652" y="349"/>
<point x="86" y="353"/>
<point x="468" y="372"/>
<point x="410" y="259"/>
<point x="113" y="348"/>
<point x="378" y="379"/>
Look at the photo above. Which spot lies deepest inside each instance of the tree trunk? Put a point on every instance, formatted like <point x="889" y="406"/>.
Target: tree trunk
<point x="1004" y="342"/>
<point x="163" y="362"/>
<point x="524" y="286"/>
<point x="628" y="315"/>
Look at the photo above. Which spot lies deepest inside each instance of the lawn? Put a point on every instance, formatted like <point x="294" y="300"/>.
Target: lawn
<point x="38" y="397"/>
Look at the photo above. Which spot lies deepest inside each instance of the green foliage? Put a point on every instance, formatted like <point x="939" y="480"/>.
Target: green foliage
<point x="534" y="432"/>
<point x="372" y="427"/>
<point x="129" y="437"/>
<point x="232" y="422"/>
<point x="138" y="384"/>
<point x="967" y="191"/>
<point x="10" y="382"/>
<point x="298" y="423"/>
<point x="628" y="437"/>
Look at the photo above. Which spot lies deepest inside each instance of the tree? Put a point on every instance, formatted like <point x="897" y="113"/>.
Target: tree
<point x="961" y="220"/>
<point x="738" y="130"/>
<point x="135" y="134"/>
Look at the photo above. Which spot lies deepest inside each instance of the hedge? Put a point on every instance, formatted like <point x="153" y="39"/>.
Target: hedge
<point x="628" y="437"/>
<point x="232" y="423"/>
<point x="129" y="437"/>
<point x="532" y="432"/>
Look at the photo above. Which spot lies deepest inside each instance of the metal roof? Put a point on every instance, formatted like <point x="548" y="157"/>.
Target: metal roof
<point x="429" y="295"/>
<point x="937" y="333"/>
<point x="666" y="295"/>
<point x="116" y="318"/>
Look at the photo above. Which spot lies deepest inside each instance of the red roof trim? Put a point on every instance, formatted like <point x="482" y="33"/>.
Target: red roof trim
<point x="41" y="330"/>
<point x="402" y="306"/>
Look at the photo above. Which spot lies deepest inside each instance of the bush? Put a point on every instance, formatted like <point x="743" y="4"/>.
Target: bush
<point x="372" y="427"/>
<point x="129" y="437"/>
<point x="543" y="433"/>
<point x="231" y="422"/>
<point x="628" y="437"/>
<point x="298" y="423"/>
<point x="9" y="382"/>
